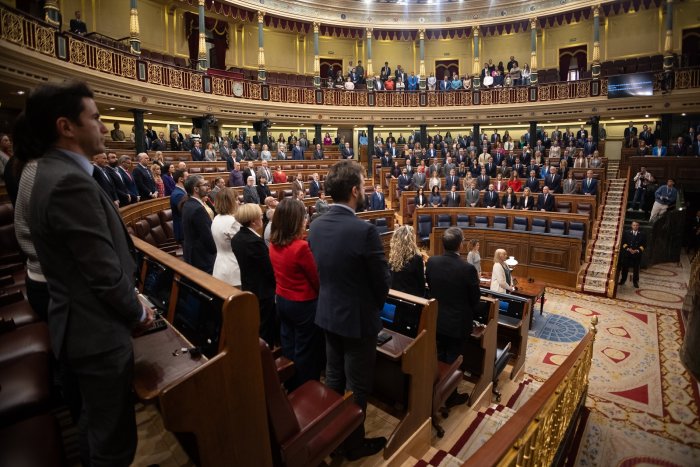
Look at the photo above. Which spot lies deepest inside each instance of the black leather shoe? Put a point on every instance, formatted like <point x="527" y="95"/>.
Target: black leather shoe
<point x="369" y="447"/>
<point x="636" y="286"/>
<point x="456" y="399"/>
<point x="621" y="283"/>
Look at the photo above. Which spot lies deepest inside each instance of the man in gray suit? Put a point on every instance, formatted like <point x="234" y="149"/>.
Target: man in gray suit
<point x="250" y="193"/>
<point x="418" y="180"/>
<point x="472" y="194"/>
<point x="86" y="256"/>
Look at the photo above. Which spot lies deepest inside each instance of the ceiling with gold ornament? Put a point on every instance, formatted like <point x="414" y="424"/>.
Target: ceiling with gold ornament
<point x="400" y="14"/>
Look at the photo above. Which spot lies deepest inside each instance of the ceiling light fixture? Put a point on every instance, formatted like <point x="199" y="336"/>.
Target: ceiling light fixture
<point x="646" y="116"/>
<point x="20" y="93"/>
<point x="111" y="108"/>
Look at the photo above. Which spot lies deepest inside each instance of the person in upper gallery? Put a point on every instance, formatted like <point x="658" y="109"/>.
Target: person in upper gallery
<point x="385" y="72"/>
<point x="143" y="178"/>
<point x="413" y="82"/>
<point x="349" y="85"/>
<point x="664" y="198"/>
<point x="501" y="277"/>
<point x="389" y="84"/>
<point x="680" y="148"/>
<point x="377" y="201"/>
<point x="296" y="292"/>
<point x="253" y="258"/>
<point x="86" y="259"/>
<point x="509" y="200"/>
<point x="159" y="143"/>
<point x="406" y="263"/>
<point x="581" y="135"/>
<point x="455" y="285"/>
<point x="199" y="248"/>
<point x="223" y="228"/>
<point x="527" y="201"/>
<point x="641" y="180"/>
<point x="659" y="150"/>
<point x="589" y="185"/>
<point x="568" y="186"/>
<point x="347" y="152"/>
<point x="117" y="134"/>
<point x="643" y="149"/>
<point x="633" y="244"/>
<point x="77" y="25"/>
<point x="432" y="82"/>
<point x="327" y="140"/>
<point x="354" y="283"/>
<point x="630" y="130"/>
<point x="318" y="152"/>
<point x="695" y="150"/>
<point x="445" y="84"/>
<point x="545" y="201"/>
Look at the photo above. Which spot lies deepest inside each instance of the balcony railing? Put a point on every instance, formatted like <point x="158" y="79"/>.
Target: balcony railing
<point x="33" y="34"/>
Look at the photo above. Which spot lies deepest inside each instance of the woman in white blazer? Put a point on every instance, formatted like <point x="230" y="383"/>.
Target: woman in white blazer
<point x="501" y="278"/>
<point x="223" y="228"/>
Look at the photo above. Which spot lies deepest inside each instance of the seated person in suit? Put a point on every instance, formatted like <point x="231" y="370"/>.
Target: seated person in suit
<point x="659" y="150"/>
<point x="545" y="202"/>
<point x="453" y="198"/>
<point x="435" y="197"/>
<point x="589" y="185"/>
<point x="377" y="201"/>
<point x="527" y="201"/>
<point x="680" y="148"/>
<point x="491" y="197"/>
<point x="455" y="285"/>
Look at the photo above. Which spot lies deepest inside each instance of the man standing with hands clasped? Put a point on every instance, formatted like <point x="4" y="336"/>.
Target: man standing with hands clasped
<point x="633" y="244"/>
<point x="354" y="282"/>
<point x="86" y="256"/>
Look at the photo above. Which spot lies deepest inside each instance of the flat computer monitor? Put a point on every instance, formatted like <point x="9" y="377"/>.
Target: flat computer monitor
<point x="401" y="316"/>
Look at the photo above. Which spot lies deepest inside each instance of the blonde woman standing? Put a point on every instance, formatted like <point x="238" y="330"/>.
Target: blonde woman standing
<point x="223" y="228"/>
<point x="501" y="278"/>
<point x="406" y="263"/>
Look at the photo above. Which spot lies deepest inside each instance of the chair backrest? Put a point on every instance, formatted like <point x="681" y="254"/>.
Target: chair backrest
<point x="462" y="221"/>
<point x="576" y="229"/>
<point x="564" y="206"/>
<point x="381" y="225"/>
<point x="444" y="220"/>
<point x="280" y="413"/>
<point x="481" y="222"/>
<point x="500" y="222"/>
<point x="153" y="220"/>
<point x="557" y="227"/>
<point x="143" y="231"/>
<point x="425" y="226"/>
<point x="539" y="225"/>
<point x="519" y="223"/>
<point x="584" y="208"/>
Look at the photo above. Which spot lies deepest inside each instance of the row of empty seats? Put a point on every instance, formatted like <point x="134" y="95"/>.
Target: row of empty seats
<point x="29" y="434"/>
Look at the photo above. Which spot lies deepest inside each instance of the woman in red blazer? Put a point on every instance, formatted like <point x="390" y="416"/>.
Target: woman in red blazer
<point x="514" y="182"/>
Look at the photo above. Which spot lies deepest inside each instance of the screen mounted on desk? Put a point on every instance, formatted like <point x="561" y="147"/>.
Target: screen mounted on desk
<point x="508" y="304"/>
<point x="401" y="316"/>
<point x="631" y="85"/>
<point x="198" y="317"/>
<point x="157" y="282"/>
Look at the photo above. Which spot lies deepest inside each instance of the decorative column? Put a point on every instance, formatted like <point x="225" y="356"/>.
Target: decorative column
<point x="51" y="13"/>
<point x="262" y="75"/>
<point x="370" y="71"/>
<point x="421" y="66"/>
<point x="317" y="134"/>
<point x="202" y="62"/>
<point x="317" y="61"/>
<point x="533" y="51"/>
<point x="139" y="132"/>
<point x="476" y="82"/>
<point x="370" y="151"/>
<point x="668" y="43"/>
<point x="424" y="136"/>
<point x="134" y="33"/>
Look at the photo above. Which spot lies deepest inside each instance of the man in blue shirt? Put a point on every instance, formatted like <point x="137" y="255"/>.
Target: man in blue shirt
<point x="412" y="82"/>
<point x="659" y="150"/>
<point x="664" y="197"/>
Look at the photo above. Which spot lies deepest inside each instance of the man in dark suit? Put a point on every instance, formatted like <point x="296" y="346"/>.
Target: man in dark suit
<point x="386" y="160"/>
<point x="159" y="143"/>
<point x="177" y="198"/>
<point x="151" y="134"/>
<point x="405" y="182"/>
<point x="385" y="72"/>
<point x="455" y="285"/>
<point x="553" y="180"/>
<point x="125" y="171"/>
<point x="452" y="199"/>
<point x="346" y="152"/>
<point x="532" y="182"/>
<point x="252" y="154"/>
<point x="225" y="153"/>
<point x="491" y="197"/>
<point x="483" y="181"/>
<point x="630" y="130"/>
<point x="633" y="244"/>
<point x="250" y="192"/>
<point x="263" y="189"/>
<point x="143" y="178"/>
<point x="696" y="146"/>
<point x="297" y="152"/>
<point x="545" y="201"/>
<point x="354" y="282"/>
<point x="589" y="146"/>
<point x="118" y="180"/>
<point x="581" y="136"/>
<point x="314" y="186"/>
<point x="452" y="179"/>
<point x="680" y="148"/>
<point x="377" y="201"/>
<point x="589" y="185"/>
<point x="199" y="249"/>
<point x="102" y="177"/>
<point x="86" y="257"/>
<point x="196" y="152"/>
<point x="249" y="171"/>
<point x="238" y="153"/>
<point x="318" y="152"/>
<point x="77" y="25"/>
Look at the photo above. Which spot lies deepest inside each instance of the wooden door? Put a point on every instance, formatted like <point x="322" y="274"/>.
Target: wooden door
<point x="330" y="67"/>
<point x="448" y="67"/>
<point x="577" y="55"/>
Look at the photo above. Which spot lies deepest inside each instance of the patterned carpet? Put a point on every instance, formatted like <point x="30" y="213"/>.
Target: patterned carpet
<point x="645" y="406"/>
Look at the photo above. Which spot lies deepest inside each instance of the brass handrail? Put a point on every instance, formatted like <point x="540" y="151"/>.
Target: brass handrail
<point x="534" y="433"/>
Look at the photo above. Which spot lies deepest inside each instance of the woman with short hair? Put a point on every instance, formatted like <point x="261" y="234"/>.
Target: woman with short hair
<point x="406" y="262"/>
<point x="501" y="278"/>
<point x="253" y="259"/>
<point x="223" y="228"/>
<point x="296" y="291"/>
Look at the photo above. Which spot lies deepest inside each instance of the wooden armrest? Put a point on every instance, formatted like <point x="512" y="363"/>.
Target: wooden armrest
<point x="285" y="368"/>
<point x="10" y="296"/>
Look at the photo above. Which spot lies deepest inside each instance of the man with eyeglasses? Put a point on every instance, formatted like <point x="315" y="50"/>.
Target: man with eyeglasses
<point x="199" y="248"/>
